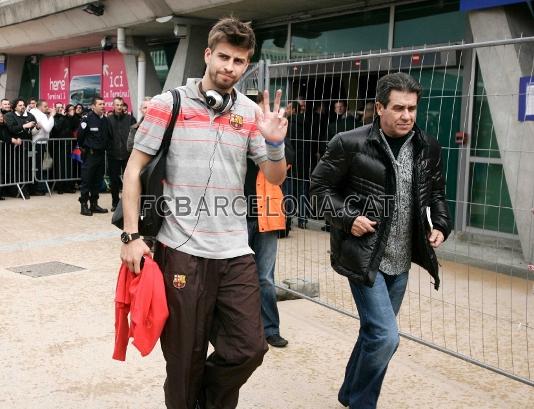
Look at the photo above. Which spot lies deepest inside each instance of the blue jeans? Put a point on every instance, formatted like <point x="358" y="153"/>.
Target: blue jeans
<point x="377" y="341"/>
<point x="264" y="246"/>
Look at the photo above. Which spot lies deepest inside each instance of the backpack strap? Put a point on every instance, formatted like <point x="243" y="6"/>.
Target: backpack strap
<point x="170" y="128"/>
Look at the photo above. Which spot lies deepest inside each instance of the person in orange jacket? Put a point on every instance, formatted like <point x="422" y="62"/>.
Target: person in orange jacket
<point x="265" y="218"/>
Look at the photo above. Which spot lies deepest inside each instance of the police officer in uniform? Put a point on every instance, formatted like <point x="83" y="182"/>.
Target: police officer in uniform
<point x="94" y="138"/>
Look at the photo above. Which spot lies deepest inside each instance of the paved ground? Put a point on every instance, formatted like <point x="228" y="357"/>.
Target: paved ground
<point x="56" y="335"/>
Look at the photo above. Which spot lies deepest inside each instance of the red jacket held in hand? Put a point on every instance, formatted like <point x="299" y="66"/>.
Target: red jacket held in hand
<point x="143" y="297"/>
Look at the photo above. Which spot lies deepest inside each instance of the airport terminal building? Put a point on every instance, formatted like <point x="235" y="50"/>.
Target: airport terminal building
<point x="475" y="60"/>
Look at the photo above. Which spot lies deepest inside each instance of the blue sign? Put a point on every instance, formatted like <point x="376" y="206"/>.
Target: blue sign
<point x="467" y="5"/>
<point x="525" y="110"/>
<point x="2" y="67"/>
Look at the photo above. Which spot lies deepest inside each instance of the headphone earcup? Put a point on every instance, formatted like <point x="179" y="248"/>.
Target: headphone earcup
<point x="219" y="103"/>
<point x="227" y="103"/>
<point x="214" y="100"/>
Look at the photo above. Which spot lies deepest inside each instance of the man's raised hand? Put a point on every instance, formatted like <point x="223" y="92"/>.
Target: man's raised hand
<point x="272" y="124"/>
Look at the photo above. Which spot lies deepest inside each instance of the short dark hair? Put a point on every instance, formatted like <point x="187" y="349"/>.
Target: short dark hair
<point x="398" y="81"/>
<point x="340" y="101"/>
<point x="96" y="98"/>
<point x="119" y="98"/>
<point x="40" y="102"/>
<point x="234" y="32"/>
<point x="16" y="101"/>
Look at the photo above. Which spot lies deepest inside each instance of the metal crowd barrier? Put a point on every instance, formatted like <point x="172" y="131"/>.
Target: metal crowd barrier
<point x="16" y="165"/>
<point x="57" y="160"/>
<point x="47" y="162"/>
<point x="484" y="309"/>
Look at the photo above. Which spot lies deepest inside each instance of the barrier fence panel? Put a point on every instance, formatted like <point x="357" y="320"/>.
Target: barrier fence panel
<point x="16" y="165"/>
<point x="51" y="161"/>
<point x="57" y="160"/>
<point x="475" y="102"/>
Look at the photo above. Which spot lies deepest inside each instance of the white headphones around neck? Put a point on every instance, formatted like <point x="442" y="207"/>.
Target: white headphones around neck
<point x="220" y="103"/>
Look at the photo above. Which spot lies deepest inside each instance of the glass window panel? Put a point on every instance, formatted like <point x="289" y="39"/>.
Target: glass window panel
<point x="429" y="22"/>
<point x="341" y="34"/>
<point x="439" y="115"/>
<point x="490" y="205"/>
<point x="271" y="44"/>
<point x="484" y="141"/>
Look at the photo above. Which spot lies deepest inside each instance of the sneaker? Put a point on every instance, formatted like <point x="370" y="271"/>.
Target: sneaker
<point x="276" y="341"/>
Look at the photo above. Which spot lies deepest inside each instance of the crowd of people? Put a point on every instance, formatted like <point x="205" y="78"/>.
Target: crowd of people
<point x="311" y="127"/>
<point x="27" y="133"/>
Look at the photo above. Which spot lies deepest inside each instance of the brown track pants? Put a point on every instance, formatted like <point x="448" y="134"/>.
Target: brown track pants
<point x="210" y="300"/>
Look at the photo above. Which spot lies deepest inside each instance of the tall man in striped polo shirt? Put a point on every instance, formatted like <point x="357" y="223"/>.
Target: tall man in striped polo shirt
<point x="209" y="271"/>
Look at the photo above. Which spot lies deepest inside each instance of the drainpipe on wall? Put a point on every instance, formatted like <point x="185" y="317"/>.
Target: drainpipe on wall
<point x="141" y="66"/>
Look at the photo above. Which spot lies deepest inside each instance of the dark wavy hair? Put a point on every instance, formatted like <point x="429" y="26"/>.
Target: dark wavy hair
<point x="398" y="81"/>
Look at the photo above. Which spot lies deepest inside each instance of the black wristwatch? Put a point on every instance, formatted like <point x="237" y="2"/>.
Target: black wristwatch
<point x="128" y="237"/>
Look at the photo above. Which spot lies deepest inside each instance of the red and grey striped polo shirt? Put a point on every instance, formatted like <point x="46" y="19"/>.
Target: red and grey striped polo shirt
<point x="206" y="167"/>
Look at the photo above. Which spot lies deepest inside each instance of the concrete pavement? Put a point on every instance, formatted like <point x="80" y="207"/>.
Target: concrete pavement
<point x="56" y="335"/>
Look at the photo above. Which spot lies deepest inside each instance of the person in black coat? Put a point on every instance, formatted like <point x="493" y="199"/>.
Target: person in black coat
<point x="301" y="129"/>
<point x="120" y="125"/>
<point x="65" y="127"/>
<point x="21" y="125"/>
<point x="7" y="144"/>
<point x="384" y="190"/>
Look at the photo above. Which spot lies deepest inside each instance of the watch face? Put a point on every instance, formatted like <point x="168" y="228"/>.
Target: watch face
<point x="125" y="237"/>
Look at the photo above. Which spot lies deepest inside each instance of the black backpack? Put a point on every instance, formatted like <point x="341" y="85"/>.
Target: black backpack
<point x="152" y="208"/>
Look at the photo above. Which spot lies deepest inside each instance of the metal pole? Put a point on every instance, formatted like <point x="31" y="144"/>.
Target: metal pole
<point x="464" y="46"/>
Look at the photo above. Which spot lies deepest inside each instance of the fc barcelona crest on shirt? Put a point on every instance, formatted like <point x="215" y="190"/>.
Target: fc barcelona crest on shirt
<point x="179" y="281"/>
<point x="236" y="121"/>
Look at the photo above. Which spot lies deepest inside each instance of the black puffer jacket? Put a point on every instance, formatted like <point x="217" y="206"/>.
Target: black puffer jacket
<point x="120" y="129"/>
<point x="356" y="165"/>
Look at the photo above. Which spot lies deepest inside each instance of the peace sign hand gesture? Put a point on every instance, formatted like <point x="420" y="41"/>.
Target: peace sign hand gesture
<point x="272" y="125"/>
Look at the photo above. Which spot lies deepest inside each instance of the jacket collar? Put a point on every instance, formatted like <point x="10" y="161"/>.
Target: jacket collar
<point x="418" y="139"/>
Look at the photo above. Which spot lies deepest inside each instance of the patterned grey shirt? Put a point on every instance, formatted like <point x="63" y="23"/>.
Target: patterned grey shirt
<point x="398" y="253"/>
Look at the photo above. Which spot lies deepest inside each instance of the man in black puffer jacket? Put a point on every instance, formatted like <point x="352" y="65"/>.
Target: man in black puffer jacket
<point x="382" y="189"/>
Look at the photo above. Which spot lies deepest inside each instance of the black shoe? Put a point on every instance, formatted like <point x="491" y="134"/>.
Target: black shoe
<point x="303" y="225"/>
<point x="85" y="211"/>
<point x="345" y="405"/>
<point x="113" y="208"/>
<point x="39" y="193"/>
<point x="283" y="234"/>
<point x="326" y="228"/>
<point x="59" y="192"/>
<point x="2" y="198"/>
<point x="95" y="208"/>
<point x="276" y="341"/>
